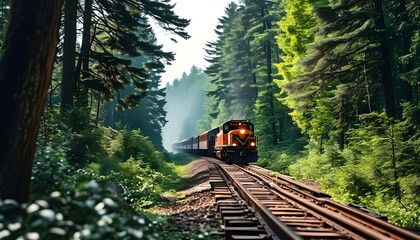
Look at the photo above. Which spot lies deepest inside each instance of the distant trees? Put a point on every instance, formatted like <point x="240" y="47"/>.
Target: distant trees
<point x="26" y="66"/>
<point x="187" y="107"/>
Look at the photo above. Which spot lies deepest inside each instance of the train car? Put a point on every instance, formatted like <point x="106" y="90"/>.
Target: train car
<point x="207" y="141"/>
<point x="233" y="141"/>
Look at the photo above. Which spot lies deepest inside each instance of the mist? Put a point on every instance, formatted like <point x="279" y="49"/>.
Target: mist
<point x="186" y="98"/>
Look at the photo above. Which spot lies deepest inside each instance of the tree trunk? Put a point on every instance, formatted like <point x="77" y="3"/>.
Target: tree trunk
<point x="386" y="66"/>
<point x="68" y="84"/>
<point x="394" y="163"/>
<point x="253" y="72"/>
<point x="267" y="49"/>
<point x="282" y="119"/>
<point x="82" y="70"/>
<point x="407" y="91"/>
<point x="341" y="121"/>
<point x="25" y="75"/>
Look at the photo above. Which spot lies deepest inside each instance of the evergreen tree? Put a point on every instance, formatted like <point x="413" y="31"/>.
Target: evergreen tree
<point x="69" y="54"/>
<point x="262" y="15"/>
<point x="149" y="115"/>
<point x="120" y="28"/>
<point x="223" y="71"/>
<point x="408" y="31"/>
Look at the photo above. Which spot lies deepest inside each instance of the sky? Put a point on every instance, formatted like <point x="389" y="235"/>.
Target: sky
<point x="204" y="16"/>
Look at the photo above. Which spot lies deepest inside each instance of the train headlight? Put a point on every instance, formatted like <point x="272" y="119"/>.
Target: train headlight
<point x="252" y="144"/>
<point x="234" y="144"/>
<point x="242" y="131"/>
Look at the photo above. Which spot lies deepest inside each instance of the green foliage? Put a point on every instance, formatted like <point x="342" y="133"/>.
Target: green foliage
<point x="89" y="213"/>
<point x="281" y="162"/>
<point x="138" y="182"/>
<point x="123" y="160"/>
<point x="130" y="144"/>
<point x="350" y="184"/>
<point x="401" y="215"/>
<point x="85" y="147"/>
<point x="51" y="171"/>
<point x="379" y="165"/>
<point x="312" y="165"/>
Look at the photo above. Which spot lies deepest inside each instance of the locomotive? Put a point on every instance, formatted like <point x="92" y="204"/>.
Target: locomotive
<point x="233" y="142"/>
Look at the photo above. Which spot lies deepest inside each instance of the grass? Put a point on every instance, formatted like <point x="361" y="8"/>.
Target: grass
<point x="182" y="159"/>
<point x="176" y="170"/>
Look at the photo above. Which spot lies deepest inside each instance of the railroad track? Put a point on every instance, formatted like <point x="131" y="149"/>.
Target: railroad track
<point x="256" y="204"/>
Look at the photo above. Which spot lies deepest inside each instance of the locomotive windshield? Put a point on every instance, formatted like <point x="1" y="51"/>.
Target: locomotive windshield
<point x="229" y="126"/>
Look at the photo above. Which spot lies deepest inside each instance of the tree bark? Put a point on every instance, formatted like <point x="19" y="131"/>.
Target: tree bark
<point x="68" y="82"/>
<point x="82" y="69"/>
<point x="386" y="66"/>
<point x="25" y="74"/>
<point x="267" y="49"/>
<point x="407" y="91"/>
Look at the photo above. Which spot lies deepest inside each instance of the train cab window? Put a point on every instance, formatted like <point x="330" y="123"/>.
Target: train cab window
<point x="232" y="126"/>
<point x="226" y="129"/>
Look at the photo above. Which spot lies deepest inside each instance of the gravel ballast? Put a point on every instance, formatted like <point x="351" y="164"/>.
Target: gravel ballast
<point x="196" y="208"/>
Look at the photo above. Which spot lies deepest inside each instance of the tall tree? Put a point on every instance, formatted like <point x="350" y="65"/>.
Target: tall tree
<point x="25" y="74"/>
<point x="386" y="68"/>
<point x="263" y="15"/>
<point x="149" y="115"/>
<point x="69" y="54"/>
<point x="348" y="65"/>
<point x="111" y="32"/>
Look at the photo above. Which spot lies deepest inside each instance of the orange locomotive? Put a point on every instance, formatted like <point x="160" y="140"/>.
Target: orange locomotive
<point x="233" y="142"/>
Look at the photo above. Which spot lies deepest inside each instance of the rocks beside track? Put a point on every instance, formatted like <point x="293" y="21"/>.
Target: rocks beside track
<point x="196" y="208"/>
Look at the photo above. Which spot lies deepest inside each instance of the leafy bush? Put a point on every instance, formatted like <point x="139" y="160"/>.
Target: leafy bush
<point x="89" y="213"/>
<point x="313" y="166"/>
<point x="129" y="144"/>
<point x="51" y="171"/>
<point x="139" y="183"/>
<point x="349" y="184"/>
<point x="404" y="215"/>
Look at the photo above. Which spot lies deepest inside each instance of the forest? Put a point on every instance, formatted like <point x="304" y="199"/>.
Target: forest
<point x="331" y="86"/>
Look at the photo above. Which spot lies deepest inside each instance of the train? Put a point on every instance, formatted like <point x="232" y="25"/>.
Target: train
<point x="233" y="142"/>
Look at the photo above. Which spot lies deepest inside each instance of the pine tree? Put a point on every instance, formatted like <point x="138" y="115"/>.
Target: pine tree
<point x="120" y="29"/>
<point x="148" y="115"/>
<point x="69" y="54"/>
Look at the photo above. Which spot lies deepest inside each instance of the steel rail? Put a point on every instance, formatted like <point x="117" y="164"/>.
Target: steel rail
<point x="347" y="216"/>
<point x="275" y="224"/>
<point x="375" y="223"/>
<point x="301" y="188"/>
